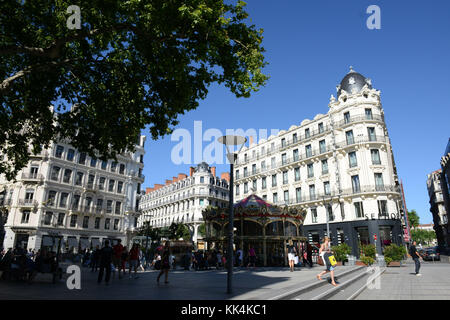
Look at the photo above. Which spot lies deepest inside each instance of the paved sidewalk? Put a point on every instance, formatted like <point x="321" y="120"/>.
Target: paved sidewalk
<point x="259" y="284"/>
<point x="401" y="283"/>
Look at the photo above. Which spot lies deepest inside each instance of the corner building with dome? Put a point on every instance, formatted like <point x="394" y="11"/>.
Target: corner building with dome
<point x="338" y="167"/>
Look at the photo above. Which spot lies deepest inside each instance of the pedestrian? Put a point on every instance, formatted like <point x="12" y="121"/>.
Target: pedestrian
<point x="291" y="252"/>
<point x="133" y="259"/>
<point x="251" y="257"/>
<point x="118" y="249"/>
<point x="141" y="261"/>
<point x="324" y="253"/>
<point x="240" y="257"/>
<point x="309" y="254"/>
<point x="106" y="254"/>
<point x="416" y="257"/>
<point x="124" y="259"/>
<point x="95" y="259"/>
<point x="165" y="263"/>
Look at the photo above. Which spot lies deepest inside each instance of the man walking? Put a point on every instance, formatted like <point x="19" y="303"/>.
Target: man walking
<point x="117" y="258"/>
<point x="416" y="257"/>
<point x="106" y="254"/>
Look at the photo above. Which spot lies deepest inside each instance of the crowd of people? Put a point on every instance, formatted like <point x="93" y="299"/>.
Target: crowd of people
<point x="20" y="264"/>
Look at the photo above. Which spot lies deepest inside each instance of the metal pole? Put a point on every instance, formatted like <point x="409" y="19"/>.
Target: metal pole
<point x="230" y="234"/>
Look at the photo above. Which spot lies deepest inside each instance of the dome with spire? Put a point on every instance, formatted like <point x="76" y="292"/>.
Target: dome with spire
<point x="353" y="82"/>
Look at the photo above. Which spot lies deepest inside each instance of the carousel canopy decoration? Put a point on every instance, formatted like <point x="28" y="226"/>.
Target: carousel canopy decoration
<point x="254" y="206"/>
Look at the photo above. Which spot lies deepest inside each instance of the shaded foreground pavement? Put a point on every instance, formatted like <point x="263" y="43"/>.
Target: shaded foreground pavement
<point x="248" y="284"/>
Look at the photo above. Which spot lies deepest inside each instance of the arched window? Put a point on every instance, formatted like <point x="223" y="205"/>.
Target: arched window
<point x="275" y="229"/>
<point x="290" y="229"/>
<point x="252" y="228"/>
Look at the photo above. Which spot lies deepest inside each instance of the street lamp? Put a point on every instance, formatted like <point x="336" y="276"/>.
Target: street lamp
<point x="326" y="215"/>
<point x="230" y="140"/>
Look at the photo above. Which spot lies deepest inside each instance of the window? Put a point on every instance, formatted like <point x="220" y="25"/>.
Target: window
<point x="79" y="179"/>
<point x="272" y="146"/>
<point x="70" y="154"/>
<point x="274" y="180"/>
<point x="245" y="173"/>
<point x="382" y="208"/>
<point x="352" y="159"/>
<point x="237" y="174"/>
<point x="202" y="201"/>
<point x="254" y="186"/>
<point x="297" y="174"/>
<point x="285" y="177"/>
<point x="48" y="218"/>
<point x="314" y="215"/>
<point x="113" y="166"/>
<point x="75" y="202"/>
<point x="379" y="184"/>
<point x="82" y="158"/>
<point x="122" y="168"/>
<point x="283" y="159"/>
<point x="359" y="209"/>
<point x="34" y="172"/>
<point x="107" y="223"/>
<point x="308" y="150"/>
<point x="310" y="168"/>
<point x="91" y="179"/>
<point x="93" y="162"/>
<point x="63" y="200"/>
<point x="320" y="125"/>
<point x="275" y="198"/>
<point x="355" y="184"/>
<point x="322" y="146"/>
<point x="349" y="137"/>
<point x="237" y="189"/>
<point x="60" y="219"/>
<point x="254" y="169"/>
<point x="375" y="156"/>
<point x="283" y="142"/>
<point x="85" y="222"/>
<point x="325" y="166"/>
<point x="99" y="205"/>
<point x="116" y="224"/>
<point x="73" y="220"/>
<point x="326" y="188"/>
<point x="87" y="207"/>
<point x="104" y="164"/>
<point x="330" y="213"/>
<point x="298" y="194"/>
<point x="29" y="195"/>
<point x="272" y="160"/>
<point x="55" y="173"/>
<point x="101" y="183"/>
<point x="371" y="132"/>
<point x="59" y="151"/>
<point x="109" y="206"/>
<point x="97" y="223"/>
<point x="368" y="114"/>
<point x="264" y="196"/>
<point x="294" y="138"/>
<point x="118" y="207"/>
<point x="119" y="187"/>
<point x="67" y="175"/>
<point x="347" y="117"/>
<point x="51" y="198"/>
<point x="245" y="187"/>
<point x="245" y="157"/>
<point x="263" y="165"/>
<point x="25" y="216"/>
<point x="312" y="192"/>
<point x="286" y="197"/>
<point x="111" y="185"/>
<point x="263" y="183"/>
<point x="307" y="133"/>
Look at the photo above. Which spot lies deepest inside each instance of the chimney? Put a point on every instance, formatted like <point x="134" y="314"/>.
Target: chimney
<point x="182" y="176"/>
<point x="191" y="171"/>
<point x="226" y="176"/>
<point x="174" y="179"/>
<point x="157" y="186"/>
<point x="213" y="171"/>
<point x="251" y="141"/>
<point x="168" y="182"/>
<point x="148" y="190"/>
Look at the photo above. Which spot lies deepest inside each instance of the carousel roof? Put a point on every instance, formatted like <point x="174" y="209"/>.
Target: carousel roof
<point x="252" y="201"/>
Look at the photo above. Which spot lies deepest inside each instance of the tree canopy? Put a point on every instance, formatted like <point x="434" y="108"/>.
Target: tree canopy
<point x="413" y="219"/>
<point x="131" y="65"/>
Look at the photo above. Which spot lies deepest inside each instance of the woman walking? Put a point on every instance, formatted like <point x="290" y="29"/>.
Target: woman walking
<point x="324" y="252"/>
<point x="165" y="263"/>
<point x="291" y="251"/>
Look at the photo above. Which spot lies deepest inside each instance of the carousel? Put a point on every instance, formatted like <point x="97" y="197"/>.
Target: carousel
<point x="258" y="224"/>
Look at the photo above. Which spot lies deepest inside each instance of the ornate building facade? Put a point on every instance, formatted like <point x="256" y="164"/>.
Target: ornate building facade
<point x="182" y="199"/>
<point x="66" y="195"/>
<point x="437" y="207"/>
<point x="338" y="167"/>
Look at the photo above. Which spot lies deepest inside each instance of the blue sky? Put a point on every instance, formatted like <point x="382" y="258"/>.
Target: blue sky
<point x="310" y="46"/>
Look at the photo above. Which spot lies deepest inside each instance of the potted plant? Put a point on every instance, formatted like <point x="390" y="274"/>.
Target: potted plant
<point x="393" y="255"/>
<point x="368" y="254"/>
<point x="341" y="252"/>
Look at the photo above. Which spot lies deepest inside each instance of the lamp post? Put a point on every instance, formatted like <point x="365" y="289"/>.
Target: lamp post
<point x="326" y="215"/>
<point x="231" y="141"/>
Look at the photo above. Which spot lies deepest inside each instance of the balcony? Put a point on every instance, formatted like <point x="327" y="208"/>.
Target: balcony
<point x="27" y="203"/>
<point x="358" y="118"/>
<point x="28" y="176"/>
<point x="361" y="139"/>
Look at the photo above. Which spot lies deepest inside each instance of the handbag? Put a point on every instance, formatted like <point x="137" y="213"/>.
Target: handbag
<point x="332" y="260"/>
<point x="296" y="260"/>
<point x="158" y="265"/>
